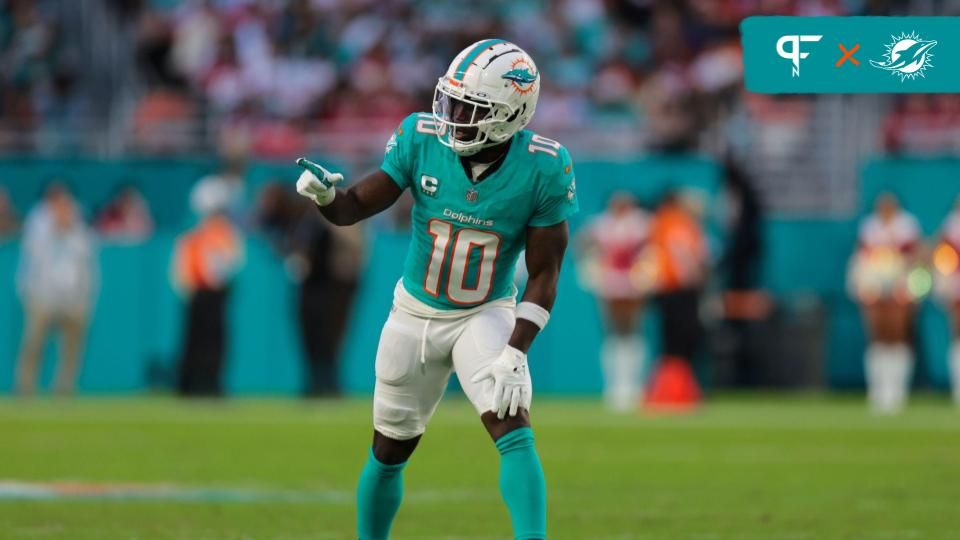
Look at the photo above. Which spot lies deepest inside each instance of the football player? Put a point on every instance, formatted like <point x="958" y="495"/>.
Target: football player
<point x="484" y="188"/>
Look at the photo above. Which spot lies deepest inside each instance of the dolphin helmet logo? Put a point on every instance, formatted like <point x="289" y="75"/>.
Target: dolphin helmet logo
<point x="522" y="76"/>
<point x="907" y="56"/>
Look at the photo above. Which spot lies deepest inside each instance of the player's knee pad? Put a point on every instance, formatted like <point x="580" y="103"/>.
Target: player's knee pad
<point x="396" y="421"/>
<point x="399" y="349"/>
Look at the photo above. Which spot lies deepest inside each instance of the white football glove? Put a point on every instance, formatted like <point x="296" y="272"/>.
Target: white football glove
<point x="512" y="387"/>
<point x="316" y="183"/>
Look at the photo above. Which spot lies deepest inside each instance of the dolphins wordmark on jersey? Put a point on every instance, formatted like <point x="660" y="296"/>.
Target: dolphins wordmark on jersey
<point x="466" y="236"/>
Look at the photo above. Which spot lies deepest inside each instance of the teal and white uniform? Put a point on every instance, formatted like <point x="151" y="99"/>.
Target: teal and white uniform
<point x="466" y="236"/>
<point x="454" y="307"/>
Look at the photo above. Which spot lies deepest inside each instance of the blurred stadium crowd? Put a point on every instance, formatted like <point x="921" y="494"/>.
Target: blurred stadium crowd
<point x="164" y="76"/>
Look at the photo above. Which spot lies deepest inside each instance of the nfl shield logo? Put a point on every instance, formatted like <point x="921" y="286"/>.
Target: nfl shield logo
<point x="472" y="195"/>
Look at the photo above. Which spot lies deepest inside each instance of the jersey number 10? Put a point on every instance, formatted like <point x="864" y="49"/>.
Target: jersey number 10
<point x="464" y="242"/>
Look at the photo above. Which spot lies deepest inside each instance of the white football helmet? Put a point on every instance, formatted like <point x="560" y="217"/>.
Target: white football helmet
<point x="488" y="94"/>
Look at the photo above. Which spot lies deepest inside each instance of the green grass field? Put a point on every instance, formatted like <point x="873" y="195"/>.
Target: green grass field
<point x="742" y="468"/>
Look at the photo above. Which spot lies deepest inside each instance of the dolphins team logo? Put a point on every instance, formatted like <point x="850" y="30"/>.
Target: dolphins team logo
<point x="522" y="76"/>
<point x="907" y="56"/>
<point x="391" y="144"/>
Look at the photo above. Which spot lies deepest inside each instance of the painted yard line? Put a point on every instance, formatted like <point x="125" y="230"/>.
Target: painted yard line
<point x="13" y="490"/>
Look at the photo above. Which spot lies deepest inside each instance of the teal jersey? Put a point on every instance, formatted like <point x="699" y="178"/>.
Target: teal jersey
<point x="466" y="236"/>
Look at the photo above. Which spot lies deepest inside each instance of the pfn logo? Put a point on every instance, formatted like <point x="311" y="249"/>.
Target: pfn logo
<point x="794" y="54"/>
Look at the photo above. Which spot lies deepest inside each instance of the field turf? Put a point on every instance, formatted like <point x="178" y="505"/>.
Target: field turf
<point x="747" y="467"/>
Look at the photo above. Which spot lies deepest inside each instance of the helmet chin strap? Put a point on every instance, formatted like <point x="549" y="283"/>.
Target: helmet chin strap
<point x="469" y="149"/>
<point x="467" y="152"/>
<point x="473" y="150"/>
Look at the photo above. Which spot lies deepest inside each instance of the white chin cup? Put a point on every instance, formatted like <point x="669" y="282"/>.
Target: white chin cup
<point x="464" y="149"/>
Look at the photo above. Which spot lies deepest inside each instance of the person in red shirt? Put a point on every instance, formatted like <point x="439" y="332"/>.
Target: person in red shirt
<point x="889" y="241"/>
<point x="612" y="250"/>
<point x="126" y="217"/>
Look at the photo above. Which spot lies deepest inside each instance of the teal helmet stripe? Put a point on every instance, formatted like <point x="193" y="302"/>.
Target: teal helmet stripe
<point x="473" y="54"/>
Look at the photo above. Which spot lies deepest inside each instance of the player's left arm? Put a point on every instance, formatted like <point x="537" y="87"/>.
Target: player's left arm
<point x="545" y="249"/>
<point x="512" y="387"/>
<point x="547" y="238"/>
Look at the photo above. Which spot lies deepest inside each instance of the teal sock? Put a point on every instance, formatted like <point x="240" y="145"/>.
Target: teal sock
<point x="522" y="485"/>
<point x="378" y="498"/>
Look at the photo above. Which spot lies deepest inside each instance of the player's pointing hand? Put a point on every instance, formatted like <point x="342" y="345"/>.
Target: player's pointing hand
<point x="512" y="387"/>
<point x="316" y="183"/>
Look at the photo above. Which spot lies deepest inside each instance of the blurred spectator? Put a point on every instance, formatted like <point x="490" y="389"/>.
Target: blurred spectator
<point x="889" y="245"/>
<point x="946" y="266"/>
<point x="196" y="31"/>
<point x="227" y="183"/>
<point x="783" y="122"/>
<point x="57" y="282"/>
<point x="224" y="84"/>
<point x="681" y="256"/>
<point x="9" y="221"/>
<point x="162" y="121"/>
<point x="924" y="124"/>
<point x="274" y="215"/>
<point x="125" y="217"/>
<point x="154" y="50"/>
<point x="743" y="303"/>
<point x="744" y="221"/>
<point x="205" y="260"/>
<point x="325" y="261"/>
<point x="26" y="60"/>
<point x="277" y="140"/>
<point x="613" y="251"/>
<point x="333" y="258"/>
<point x="667" y="99"/>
